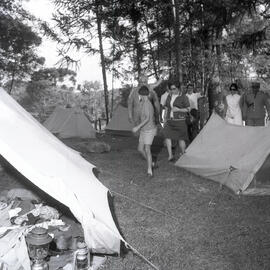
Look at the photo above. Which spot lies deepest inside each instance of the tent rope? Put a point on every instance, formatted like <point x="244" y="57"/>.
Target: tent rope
<point x="144" y="205"/>
<point x="136" y="252"/>
<point x="226" y="177"/>
<point x="141" y="204"/>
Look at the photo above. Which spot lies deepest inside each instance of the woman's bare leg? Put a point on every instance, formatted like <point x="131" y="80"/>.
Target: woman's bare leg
<point x="148" y="158"/>
<point x="182" y="145"/>
<point x="141" y="149"/>
<point x="169" y="148"/>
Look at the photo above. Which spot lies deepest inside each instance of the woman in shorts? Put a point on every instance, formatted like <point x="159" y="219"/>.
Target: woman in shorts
<point x="147" y="127"/>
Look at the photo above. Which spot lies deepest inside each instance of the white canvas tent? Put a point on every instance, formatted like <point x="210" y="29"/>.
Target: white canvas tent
<point x="59" y="171"/>
<point x="235" y="156"/>
<point x="119" y="124"/>
<point x="70" y="122"/>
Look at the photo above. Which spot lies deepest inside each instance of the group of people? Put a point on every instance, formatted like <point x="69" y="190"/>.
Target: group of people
<point x="178" y="110"/>
<point x="145" y="110"/>
<point x="249" y="108"/>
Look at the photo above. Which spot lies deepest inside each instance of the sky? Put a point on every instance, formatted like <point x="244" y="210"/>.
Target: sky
<point x="89" y="69"/>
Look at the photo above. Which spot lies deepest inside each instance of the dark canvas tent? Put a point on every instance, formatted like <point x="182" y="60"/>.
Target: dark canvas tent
<point x="235" y="156"/>
<point x="119" y="124"/>
<point x="70" y="122"/>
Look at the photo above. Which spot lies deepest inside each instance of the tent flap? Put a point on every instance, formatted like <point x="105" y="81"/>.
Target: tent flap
<point x="228" y="154"/>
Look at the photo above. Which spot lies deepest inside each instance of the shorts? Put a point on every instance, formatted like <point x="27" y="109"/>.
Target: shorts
<point x="147" y="136"/>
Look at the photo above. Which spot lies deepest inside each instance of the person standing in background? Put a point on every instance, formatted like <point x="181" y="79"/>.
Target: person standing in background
<point x="175" y="128"/>
<point x="255" y="105"/>
<point x="193" y="118"/>
<point x="233" y="112"/>
<point x="163" y="108"/>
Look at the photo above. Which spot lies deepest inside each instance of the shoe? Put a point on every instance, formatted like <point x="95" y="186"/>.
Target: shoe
<point x="149" y="175"/>
<point x="171" y="159"/>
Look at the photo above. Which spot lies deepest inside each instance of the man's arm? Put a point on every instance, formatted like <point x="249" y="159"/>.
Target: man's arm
<point x="267" y="104"/>
<point x="130" y="105"/>
<point x="156" y="84"/>
<point x="156" y="102"/>
<point x="159" y="81"/>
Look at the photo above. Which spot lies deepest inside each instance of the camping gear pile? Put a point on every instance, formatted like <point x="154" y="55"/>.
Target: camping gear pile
<point x="22" y="213"/>
<point x="23" y="246"/>
<point x="60" y="172"/>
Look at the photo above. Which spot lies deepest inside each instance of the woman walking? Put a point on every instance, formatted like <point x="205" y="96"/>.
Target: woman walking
<point x="147" y="127"/>
<point x="175" y="127"/>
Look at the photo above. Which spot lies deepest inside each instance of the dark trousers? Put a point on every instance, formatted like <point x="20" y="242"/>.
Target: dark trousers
<point x="193" y="126"/>
<point x="255" y="122"/>
<point x="157" y="146"/>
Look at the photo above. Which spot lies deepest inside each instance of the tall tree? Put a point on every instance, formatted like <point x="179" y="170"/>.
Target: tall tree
<point x="79" y="24"/>
<point x="17" y="42"/>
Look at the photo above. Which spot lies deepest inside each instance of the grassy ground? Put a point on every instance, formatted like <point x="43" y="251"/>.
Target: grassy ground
<point x="201" y="228"/>
<point x="230" y="233"/>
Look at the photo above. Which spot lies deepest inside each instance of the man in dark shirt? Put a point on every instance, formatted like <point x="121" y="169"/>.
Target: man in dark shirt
<point x="255" y="105"/>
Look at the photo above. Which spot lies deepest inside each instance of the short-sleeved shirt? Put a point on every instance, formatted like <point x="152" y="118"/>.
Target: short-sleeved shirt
<point x="134" y="105"/>
<point x="254" y="106"/>
<point x="164" y="98"/>
<point x="193" y="100"/>
<point x="147" y="110"/>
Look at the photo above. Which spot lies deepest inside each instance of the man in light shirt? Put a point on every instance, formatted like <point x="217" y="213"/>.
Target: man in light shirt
<point x="193" y="97"/>
<point x="163" y="108"/>
<point x="193" y="125"/>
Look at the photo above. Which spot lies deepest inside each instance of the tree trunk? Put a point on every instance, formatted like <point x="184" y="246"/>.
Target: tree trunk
<point x="158" y="39"/>
<point x="12" y="81"/>
<point x="102" y="59"/>
<point x="218" y="52"/>
<point x="170" y="52"/>
<point x="178" y="54"/>
<point x="151" y="48"/>
<point x="203" y="88"/>
<point x="137" y="49"/>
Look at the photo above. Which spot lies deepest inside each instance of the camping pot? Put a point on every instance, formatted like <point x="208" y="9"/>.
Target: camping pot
<point x="38" y="241"/>
<point x="82" y="257"/>
<point x="63" y="242"/>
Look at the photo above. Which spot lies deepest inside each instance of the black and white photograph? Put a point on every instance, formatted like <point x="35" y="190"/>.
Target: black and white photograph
<point x="135" y="135"/>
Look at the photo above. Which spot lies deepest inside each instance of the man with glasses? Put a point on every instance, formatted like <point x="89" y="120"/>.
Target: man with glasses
<point x="255" y="105"/>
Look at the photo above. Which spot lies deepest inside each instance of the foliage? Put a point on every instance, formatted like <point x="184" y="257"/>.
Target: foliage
<point x="89" y="86"/>
<point x="17" y="41"/>
<point x="54" y="75"/>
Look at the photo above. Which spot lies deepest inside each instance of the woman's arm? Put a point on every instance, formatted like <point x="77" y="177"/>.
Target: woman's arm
<point x="176" y="109"/>
<point x="144" y="122"/>
<point x="184" y="104"/>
